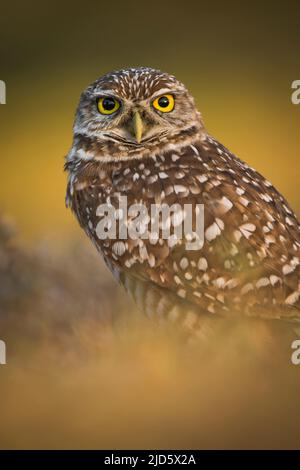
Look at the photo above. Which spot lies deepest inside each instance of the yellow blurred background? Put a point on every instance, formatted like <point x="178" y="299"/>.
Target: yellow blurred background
<point x="78" y="375"/>
<point x="238" y="60"/>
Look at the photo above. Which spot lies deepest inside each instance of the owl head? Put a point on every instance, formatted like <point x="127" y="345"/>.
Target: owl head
<point x="135" y="109"/>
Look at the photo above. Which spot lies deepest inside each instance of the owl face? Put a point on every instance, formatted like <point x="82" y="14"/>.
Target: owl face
<point x="136" y="108"/>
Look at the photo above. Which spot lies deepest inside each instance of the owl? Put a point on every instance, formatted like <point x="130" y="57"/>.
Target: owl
<point x="139" y="138"/>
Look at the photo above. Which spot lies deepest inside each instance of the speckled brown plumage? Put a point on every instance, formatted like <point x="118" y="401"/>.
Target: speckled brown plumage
<point x="249" y="262"/>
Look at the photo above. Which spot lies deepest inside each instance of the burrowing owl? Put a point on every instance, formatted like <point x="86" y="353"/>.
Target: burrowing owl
<point x="139" y="136"/>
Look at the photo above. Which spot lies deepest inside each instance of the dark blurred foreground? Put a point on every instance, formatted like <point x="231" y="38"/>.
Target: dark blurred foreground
<point x="85" y="370"/>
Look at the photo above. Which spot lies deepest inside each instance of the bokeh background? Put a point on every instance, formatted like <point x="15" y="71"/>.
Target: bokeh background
<point x="84" y="369"/>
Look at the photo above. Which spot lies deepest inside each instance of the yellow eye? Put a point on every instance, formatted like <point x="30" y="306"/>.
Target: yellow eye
<point x="108" y="105"/>
<point x="164" y="103"/>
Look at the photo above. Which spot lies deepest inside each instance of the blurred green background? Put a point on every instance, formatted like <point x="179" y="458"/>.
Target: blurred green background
<point x="237" y="58"/>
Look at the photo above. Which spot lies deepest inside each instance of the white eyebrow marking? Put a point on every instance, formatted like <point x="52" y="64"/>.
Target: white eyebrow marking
<point x="100" y="92"/>
<point x="162" y="91"/>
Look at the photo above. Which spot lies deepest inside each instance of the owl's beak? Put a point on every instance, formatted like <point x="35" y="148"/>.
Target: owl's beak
<point x="137" y="126"/>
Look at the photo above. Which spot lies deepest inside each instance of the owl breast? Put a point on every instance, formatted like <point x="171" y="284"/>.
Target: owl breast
<point x="241" y="255"/>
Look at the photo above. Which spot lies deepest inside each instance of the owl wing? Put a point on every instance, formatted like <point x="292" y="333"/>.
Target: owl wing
<point x="249" y="262"/>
